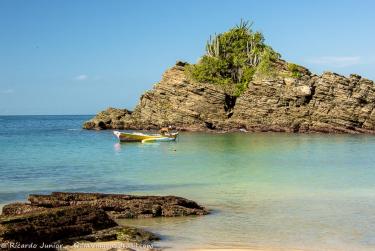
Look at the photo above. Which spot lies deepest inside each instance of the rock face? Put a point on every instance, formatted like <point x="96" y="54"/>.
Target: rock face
<point x="69" y="217"/>
<point x="309" y="103"/>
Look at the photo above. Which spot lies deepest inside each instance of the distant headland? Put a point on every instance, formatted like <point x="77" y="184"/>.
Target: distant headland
<point x="243" y="84"/>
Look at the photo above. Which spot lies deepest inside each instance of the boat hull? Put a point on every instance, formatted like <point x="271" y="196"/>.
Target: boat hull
<point x="140" y="137"/>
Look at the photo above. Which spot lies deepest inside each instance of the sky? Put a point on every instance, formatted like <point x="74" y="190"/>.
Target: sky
<point x="81" y="56"/>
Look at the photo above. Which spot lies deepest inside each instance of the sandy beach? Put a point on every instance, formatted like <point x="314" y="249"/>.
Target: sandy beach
<point x="243" y="249"/>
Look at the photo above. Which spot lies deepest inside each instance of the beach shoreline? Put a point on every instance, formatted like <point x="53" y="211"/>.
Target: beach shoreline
<point x="107" y="245"/>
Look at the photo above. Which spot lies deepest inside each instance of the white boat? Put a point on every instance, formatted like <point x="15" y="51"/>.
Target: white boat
<point x="142" y="137"/>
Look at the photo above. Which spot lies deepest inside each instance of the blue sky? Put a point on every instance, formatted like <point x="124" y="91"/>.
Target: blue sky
<point x="80" y="56"/>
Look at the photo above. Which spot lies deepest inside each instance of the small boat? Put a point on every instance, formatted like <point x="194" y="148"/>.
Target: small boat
<point x="141" y="137"/>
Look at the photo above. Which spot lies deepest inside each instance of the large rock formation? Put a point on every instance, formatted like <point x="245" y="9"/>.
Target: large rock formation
<point x="307" y="103"/>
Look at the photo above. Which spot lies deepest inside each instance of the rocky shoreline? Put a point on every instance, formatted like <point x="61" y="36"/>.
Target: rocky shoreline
<point x="63" y="219"/>
<point x="329" y="103"/>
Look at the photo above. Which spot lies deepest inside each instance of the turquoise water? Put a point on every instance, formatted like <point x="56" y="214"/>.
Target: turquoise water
<point x="312" y="192"/>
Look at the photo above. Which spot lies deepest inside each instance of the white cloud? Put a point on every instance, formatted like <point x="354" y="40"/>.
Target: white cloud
<point x="81" y="77"/>
<point x="343" y="61"/>
<point x="7" y="91"/>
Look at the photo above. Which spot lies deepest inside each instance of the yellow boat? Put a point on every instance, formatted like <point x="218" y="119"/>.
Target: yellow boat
<point x="141" y="137"/>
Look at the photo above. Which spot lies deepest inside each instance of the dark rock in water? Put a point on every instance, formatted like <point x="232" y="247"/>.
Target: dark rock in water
<point x="123" y="206"/>
<point x="20" y="208"/>
<point x="54" y="224"/>
<point x="120" y="233"/>
<point x="64" y="218"/>
<point x="108" y="119"/>
<point x="132" y="234"/>
<point x="282" y="103"/>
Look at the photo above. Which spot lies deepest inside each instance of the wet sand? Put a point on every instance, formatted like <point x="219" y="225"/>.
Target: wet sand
<point x="104" y="246"/>
<point x="243" y="249"/>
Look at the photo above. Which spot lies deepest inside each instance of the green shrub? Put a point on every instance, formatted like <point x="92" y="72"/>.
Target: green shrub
<point x="295" y="70"/>
<point x="232" y="59"/>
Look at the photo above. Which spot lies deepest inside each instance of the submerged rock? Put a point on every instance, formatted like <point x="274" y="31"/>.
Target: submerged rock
<point x="309" y="103"/>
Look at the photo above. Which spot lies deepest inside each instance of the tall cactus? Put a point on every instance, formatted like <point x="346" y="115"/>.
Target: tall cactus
<point x="213" y="46"/>
<point x="253" y="49"/>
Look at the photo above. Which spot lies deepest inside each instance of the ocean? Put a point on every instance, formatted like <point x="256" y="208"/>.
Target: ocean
<point x="265" y="190"/>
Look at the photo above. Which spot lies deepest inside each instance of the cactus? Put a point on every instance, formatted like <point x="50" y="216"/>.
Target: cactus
<point x="213" y="46"/>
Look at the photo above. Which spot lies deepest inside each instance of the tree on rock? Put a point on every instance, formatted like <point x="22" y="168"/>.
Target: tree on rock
<point x="233" y="57"/>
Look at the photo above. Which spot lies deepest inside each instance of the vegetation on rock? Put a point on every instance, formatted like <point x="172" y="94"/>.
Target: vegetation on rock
<point x="296" y="71"/>
<point x="232" y="59"/>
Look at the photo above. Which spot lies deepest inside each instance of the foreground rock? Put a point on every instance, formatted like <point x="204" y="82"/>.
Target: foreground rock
<point x="116" y="205"/>
<point x="119" y="233"/>
<point x="64" y="218"/>
<point x="54" y="224"/>
<point x="309" y="103"/>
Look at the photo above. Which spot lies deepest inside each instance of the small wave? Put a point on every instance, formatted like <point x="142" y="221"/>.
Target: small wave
<point x="73" y="129"/>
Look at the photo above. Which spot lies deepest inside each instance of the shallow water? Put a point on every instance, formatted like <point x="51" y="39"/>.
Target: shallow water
<point x="313" y="192"/>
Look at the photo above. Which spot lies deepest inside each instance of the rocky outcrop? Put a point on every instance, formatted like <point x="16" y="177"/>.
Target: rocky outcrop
<point x="307" y="103"/>
<point x="54" y="224"/>
<point x="64" y="218"/>
<point x="110" y="118"/>
<point x="117" y="205"/>
<point x="327" y="103"/>
<point x="174" y="101"/>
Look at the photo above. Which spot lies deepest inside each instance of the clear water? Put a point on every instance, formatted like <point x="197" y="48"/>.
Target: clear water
<point x="312" y="192"/>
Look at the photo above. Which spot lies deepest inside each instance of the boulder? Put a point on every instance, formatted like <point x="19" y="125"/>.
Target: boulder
<point x="110" y="118"/>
